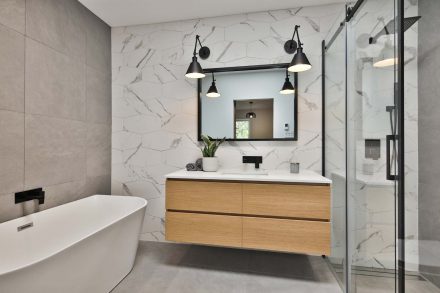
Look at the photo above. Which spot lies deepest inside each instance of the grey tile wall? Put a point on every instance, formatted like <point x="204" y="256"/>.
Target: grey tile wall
<point x="429" y="132"/>
<point x="55" y="103"/>
<point x="12" y="70"/>
<point x="55" y="83"/>
<point x="12" y="14"/>
<point x="11" y="151"/>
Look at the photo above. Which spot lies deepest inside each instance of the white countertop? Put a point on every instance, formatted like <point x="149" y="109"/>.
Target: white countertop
<point x="305" y="176"/>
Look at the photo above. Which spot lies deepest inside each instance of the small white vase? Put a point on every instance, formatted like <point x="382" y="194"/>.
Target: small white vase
<point x="210" y="164"/>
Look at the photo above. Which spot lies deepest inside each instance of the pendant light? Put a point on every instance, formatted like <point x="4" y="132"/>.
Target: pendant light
<point x="212" y="91"/>
<point x="194" y="69"/>
<point x="288" y="88"/>
<point x="251" y="114"/>
<point x="300" y="62"/>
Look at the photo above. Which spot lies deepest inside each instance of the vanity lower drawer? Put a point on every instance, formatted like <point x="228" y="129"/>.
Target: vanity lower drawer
<point x="285" y="200"/>
<point x="215" y="197"/>
<point x="311" y="237"/>
<point x="204" y="229"/>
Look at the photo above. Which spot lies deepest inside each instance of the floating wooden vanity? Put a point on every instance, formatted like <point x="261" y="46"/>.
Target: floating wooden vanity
<point x="279" y="212"/>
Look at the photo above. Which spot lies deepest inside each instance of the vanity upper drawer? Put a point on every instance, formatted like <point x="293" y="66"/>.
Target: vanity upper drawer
<point x="204" y="228"/>
<point x="216" y="197"/>
<point x="284" y="200"/>
<point x="312" y="237"/>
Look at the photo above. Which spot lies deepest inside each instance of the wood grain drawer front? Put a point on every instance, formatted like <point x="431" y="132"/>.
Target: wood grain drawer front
<point x="216" y="197"/>
<point x="204" y="229"/>
<point x="311" y="237"/>
<point x="283" y="200"/>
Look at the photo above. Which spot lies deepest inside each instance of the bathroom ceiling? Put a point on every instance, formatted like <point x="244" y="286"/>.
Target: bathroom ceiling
<point x="132" y="12"/>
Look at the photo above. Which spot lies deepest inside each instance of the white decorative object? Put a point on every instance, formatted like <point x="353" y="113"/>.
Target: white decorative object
<point x="210" y="164"/>
<point x="88" y="245"/>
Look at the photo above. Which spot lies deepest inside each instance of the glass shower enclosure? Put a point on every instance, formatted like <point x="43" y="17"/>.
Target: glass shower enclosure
<point x="382" y="241"/>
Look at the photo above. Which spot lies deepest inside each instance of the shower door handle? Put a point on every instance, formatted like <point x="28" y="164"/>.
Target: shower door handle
<point x="390" y="138"/>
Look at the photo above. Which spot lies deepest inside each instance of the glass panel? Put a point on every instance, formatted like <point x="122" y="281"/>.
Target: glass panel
<point x="422" y="133"/>
<point x="335" y="144"/>
<point x="370" y="126"/>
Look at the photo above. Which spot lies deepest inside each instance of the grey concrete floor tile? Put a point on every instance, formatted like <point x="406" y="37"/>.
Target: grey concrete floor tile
<point x="176" y="268"/>
<point x="192" y="280"/>
<point x="216" y="258"/>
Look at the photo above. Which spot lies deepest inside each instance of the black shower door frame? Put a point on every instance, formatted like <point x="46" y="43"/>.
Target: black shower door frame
<point x="400" y="134"/>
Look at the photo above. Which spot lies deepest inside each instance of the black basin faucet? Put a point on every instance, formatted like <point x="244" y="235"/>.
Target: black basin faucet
<point x="27" y="195"/>
<point x="257" y="160"/>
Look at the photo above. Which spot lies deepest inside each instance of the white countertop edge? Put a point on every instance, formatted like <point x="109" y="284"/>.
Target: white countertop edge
<point x="282" y="176"/>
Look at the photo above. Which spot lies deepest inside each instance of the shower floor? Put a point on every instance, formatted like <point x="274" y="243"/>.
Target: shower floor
<point x="370" y="284"/>
<point x="175" y="268"/>
<point x="385" y="283"/>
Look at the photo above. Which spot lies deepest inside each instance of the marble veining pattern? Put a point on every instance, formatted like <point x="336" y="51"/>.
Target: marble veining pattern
<point x="155" y="107"/>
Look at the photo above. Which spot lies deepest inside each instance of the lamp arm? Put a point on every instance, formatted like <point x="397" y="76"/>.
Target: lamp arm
<point x="294" y="32"/>
<point x="195" y="48"/>
<point x="297" y="36"/>
<point x="195" y="45"/>
<point x="198" y="39"/>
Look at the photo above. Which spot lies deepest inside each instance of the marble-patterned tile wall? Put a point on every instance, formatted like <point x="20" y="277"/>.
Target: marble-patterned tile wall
<point x="155" y="106"/>
<point x="55" y="103"/>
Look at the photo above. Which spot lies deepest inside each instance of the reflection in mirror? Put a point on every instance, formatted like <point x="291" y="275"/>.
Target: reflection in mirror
<point x="251" y="106"/>
<point x="253" y="119"/>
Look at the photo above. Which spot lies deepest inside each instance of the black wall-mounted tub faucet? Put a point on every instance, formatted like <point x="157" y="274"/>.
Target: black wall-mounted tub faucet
<point x="32" y="194"/>
<point x="257" y="160"/>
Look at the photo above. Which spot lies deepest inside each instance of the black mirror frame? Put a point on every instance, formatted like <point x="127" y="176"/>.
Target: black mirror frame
<point x="248" y="68"/>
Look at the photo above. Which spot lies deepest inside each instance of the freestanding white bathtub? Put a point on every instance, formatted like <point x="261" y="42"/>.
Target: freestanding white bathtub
<point x="86" y="246"/>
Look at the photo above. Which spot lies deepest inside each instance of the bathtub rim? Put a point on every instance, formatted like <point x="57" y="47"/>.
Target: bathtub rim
<point x="56" y="252"/>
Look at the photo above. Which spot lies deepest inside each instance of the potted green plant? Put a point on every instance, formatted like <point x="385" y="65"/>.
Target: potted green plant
<point x="210" y="146"/>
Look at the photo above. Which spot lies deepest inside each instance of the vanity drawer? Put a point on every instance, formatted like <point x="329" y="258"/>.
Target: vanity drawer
<point x="216" y="197"/>
<point x="284" y="200"/>
<point x="204" y="229"/>
<point x="311" y="237"/>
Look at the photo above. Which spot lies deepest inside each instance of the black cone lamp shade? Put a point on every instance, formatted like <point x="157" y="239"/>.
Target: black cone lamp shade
<point x="287" y="88"/>
<point x="212" y="91"/>
<point x="251" y="114"/>
<point x="386" y="58"/>
<point x="194" y="69"/>
<point x="299" y="62"/>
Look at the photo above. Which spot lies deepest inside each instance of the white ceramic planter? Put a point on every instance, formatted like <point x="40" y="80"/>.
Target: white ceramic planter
<point x="210" y="164"/>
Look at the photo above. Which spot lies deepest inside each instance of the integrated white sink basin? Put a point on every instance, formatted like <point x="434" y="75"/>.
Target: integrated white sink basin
<point x="250" y="174"/>
<point x="245" y="172"/>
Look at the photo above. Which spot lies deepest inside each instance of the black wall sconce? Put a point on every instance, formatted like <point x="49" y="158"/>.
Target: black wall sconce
<point x="299" y="62"/>
<point x="387" y="56"/>
<point x="287" y="88"/>
<point x="194" y="69"/>
<point x="212" y="91"/>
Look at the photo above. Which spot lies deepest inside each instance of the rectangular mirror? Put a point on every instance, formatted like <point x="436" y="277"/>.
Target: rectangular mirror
<point x="250" y="105"/>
